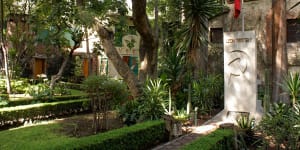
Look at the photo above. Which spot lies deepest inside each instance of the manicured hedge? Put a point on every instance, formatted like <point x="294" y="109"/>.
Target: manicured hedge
<point x="72" y="85"/>
<point x="49" y="137"/>
<point x="42" y="110"/>
<point x="27" y="101"/>
<point x="221" y="139"/>
<point x="140" y="136"/>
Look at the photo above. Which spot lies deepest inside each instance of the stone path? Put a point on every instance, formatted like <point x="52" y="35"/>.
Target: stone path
<point x="180" y="141"/>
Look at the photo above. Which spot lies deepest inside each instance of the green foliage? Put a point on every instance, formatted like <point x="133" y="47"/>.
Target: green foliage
<point x="245" y="123"/>
<point x="27" y="101"/>
<point x="61" y="89"/>
<point x="197" y="12"/>
<point x="221" y="139"/>
<point x="291" y="85"/>
<point x="93" y="84"/>
<point x="18" y="86"/>
<point x="282" y="123"/>
<point x="103" y="85"/>
<point x="129" y="112"/>
<point x="207" y="93"/>
<point x="2" y="86"/>
<point x="172" y="67"/>
<point x="153" y="100"/>
<point x="139" y="136"/>
<point x="40" y="90"/>
<point x="245" y="132"/>
<point x="3" y="100"/>
<point x="181" y="115"/>
<point x="41" y="111"/>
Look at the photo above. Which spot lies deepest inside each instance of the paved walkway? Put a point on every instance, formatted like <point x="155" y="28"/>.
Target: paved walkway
<point x="180" y="141"/>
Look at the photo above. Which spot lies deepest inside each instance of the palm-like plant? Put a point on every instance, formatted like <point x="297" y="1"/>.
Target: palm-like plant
<point x="172" y="67"/>
<point x="291" y="85"/>
<point x="194" y="31"/>
<point x="155" y="95"/>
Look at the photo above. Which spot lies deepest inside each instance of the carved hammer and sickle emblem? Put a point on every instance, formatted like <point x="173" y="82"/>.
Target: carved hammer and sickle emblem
<point x="238" y="64"/>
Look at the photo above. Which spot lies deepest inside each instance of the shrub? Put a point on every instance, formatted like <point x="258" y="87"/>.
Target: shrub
<point x="27" y="101"/>
<point x="221" y="139"/>
<point x="140" y="136"/>
<point x="39" y="91"/>
<point x="105" y="93"/>
<point x="17" y="86"/>
<point x="136" y="137"/>
<point x="282" y="123"/>
<point x="207" y="93"/>
<point x="129" y="112"/>
<point x="41" y="111"/>
<point x="154" y="96"/>
<point x="102" y="85"/>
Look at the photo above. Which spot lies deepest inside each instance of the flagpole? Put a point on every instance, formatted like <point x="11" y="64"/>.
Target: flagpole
<point x="242" y="11"/>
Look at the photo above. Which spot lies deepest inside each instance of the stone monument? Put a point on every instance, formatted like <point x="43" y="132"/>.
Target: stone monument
<point x="240" y="77"/>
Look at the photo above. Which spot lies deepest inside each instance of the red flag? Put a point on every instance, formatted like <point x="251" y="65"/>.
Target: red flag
<point x="237" y="8"/>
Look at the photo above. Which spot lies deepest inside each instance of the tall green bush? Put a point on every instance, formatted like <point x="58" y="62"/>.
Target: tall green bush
<point x="103" y="84"/>
<point x="129" y="112"/>
<point x="152" y="103"/>
<point x="105" y="94"/>
<point x="208" y="93"/>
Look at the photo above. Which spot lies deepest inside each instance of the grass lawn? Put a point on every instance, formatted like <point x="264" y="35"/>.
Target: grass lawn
<point x="51" y="137"/>
<point x="33" y="138"/>
<point x="76" y="92"/>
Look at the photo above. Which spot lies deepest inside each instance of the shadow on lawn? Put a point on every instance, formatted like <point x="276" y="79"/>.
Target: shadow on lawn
<point x="82" y="125"/>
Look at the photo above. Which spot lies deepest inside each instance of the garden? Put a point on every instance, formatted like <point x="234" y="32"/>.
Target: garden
<point x="76" y="115"/>
<point x="85" y="74"/>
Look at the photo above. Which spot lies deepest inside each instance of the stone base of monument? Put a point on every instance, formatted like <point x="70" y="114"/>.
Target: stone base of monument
<point x="229" y="116"/>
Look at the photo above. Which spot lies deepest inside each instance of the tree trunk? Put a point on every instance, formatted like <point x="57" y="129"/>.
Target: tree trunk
<point x="149" y="44"/>
<point x="7" y="79"/>
<point x="113" y="55"/>
<point x="56" y="77"/>
<point x="279" y="54"/>
<point x="4" y="50"/>
<point x="198" y="53"/>
<point x="197" y="62"/>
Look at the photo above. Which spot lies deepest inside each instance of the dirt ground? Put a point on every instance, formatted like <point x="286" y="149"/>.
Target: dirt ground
<point x="82" y="125"/>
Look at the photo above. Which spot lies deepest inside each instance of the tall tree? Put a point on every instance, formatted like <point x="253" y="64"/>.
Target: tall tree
<point x="56" y="27"/>
<point x="4" y="50"/>
<point x="194" y="32"/>
<point x="122" y="68"/>
<point x="148" y="44"/>
<point x="279" y="51"/>
<point x="148" y="48"/>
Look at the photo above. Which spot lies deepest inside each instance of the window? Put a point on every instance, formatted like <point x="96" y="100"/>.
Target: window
<point x="132" y="62"/>
<point x="216" y="35"/>
<point x="293" y="30"/>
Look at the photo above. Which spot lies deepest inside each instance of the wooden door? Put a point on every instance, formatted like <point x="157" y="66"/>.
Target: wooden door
<point x="39" y="67"/>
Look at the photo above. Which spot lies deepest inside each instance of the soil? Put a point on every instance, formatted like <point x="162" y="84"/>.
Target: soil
<point x="82" y="125"/>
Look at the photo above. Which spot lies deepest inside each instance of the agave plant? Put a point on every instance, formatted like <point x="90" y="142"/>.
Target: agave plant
<point x="154" y="96"/>
<point x="181" y="115"/>
<point x="291" y="85"/>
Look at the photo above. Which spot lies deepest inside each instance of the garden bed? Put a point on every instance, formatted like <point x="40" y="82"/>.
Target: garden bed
<point x="140" y="136"/>
<point x="11" y="116"/>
